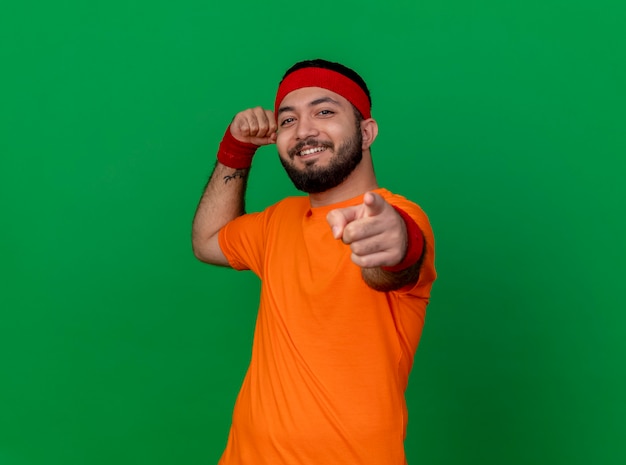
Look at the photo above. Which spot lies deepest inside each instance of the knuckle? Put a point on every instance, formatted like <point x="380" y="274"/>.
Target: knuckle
<point x="357" y="248"/>
<point x="364" y="248"/>
<point x="366" y="262"/>
<point x="349" y="234"/>
<point x="358" y="260"/>
<point x="395" y="238"/>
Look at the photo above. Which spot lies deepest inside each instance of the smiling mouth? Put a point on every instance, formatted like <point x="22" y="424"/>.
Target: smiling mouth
<point x="311" y="151"/>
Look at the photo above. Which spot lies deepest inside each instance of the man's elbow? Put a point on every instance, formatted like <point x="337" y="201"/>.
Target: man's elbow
<point x="199" y="253"/>
<point x="209" y="251"/>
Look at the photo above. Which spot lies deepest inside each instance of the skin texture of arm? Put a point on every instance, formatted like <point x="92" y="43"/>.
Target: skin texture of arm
<point x="221" y="202"/>
<point x="386" y="281"/>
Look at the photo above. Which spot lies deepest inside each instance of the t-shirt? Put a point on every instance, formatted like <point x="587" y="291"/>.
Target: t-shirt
<point x="331" y="356"/>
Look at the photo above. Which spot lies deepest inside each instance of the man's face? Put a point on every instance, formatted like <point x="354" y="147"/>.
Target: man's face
<point x="319" y="139"/>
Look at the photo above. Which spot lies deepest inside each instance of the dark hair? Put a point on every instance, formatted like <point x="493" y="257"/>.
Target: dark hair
<point x="338" y="67"/>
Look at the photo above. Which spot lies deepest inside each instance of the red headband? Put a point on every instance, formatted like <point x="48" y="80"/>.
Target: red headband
<point x="326" y="79"/>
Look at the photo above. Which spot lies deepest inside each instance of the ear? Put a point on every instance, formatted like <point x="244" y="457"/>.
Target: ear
<point x="369" y="131"/>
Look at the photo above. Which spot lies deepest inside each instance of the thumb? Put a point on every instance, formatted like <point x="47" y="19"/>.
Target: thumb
<point x="374" y="204"/>
<point x="339" y="218"/>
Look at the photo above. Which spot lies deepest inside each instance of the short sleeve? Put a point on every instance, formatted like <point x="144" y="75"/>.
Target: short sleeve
<point x="243" y="241"/>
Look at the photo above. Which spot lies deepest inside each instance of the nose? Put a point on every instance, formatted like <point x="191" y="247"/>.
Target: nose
<point x="306" y="128"/>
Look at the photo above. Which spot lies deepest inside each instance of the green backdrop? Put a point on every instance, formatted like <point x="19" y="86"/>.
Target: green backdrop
<point x="504" y="120"/>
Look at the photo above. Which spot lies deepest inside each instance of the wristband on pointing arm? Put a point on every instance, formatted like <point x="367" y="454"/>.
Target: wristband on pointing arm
<point x="234" y="153"/>
<point x="414" y="246"/>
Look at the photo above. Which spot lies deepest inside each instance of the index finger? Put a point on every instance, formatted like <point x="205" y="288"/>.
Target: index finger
<point x="374" y="204"/>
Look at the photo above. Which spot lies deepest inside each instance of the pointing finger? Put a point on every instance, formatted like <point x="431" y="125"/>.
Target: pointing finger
<point x="374" y="204"/>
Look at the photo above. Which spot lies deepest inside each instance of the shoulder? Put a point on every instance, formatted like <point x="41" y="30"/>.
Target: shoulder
<point x="297" y="202"/>
<point x="286" y="208"/>
<point x="290" y="206"/>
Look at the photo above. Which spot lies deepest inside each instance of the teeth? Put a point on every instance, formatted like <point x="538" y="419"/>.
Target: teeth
<point x="310" y="151"/>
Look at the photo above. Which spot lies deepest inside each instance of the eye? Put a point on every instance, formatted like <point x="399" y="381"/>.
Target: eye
<point x="287" y="121"/>
<point x="326" y="112"/>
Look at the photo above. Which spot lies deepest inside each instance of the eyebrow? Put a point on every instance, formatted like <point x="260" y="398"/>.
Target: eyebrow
<point x="311" y="104"/>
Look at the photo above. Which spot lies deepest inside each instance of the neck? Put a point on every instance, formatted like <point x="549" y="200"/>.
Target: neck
<point x="360" y="181"/>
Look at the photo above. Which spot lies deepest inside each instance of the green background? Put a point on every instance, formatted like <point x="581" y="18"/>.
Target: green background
<point x="504" y="120"/>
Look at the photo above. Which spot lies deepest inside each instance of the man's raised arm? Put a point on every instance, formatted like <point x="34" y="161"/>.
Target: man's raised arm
<point x="223" y="197"/>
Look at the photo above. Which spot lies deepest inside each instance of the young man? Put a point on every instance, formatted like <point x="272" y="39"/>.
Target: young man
<point x="346" y="276"/>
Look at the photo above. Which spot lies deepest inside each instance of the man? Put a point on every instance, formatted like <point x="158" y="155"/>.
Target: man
<point x="346" y="275"/>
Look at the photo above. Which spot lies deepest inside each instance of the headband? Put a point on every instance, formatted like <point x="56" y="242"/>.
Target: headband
<point x="326" y="79"/>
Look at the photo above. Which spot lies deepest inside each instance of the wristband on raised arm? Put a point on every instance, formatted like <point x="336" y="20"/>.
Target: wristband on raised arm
<point x="234" y="153"/>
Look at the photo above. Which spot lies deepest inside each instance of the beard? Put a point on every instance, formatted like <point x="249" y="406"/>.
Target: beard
<point x="316" y="179"/>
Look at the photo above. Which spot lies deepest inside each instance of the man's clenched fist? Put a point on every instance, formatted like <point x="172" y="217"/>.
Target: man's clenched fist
<point x="254" y="126"/>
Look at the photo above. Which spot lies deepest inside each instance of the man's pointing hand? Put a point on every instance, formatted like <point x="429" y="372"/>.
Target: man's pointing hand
<point x="375" y="232"/>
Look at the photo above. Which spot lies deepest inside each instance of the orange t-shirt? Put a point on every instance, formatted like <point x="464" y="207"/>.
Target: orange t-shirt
<point x="331" y="356"/>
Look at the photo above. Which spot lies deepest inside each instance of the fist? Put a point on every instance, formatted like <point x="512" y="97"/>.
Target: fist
<point x="254" y="126"/>
<point x="374" y="230"/>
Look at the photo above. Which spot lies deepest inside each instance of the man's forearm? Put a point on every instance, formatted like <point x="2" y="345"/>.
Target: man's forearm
<point x="386" y="281"/>
<point x="221" y="202"/>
